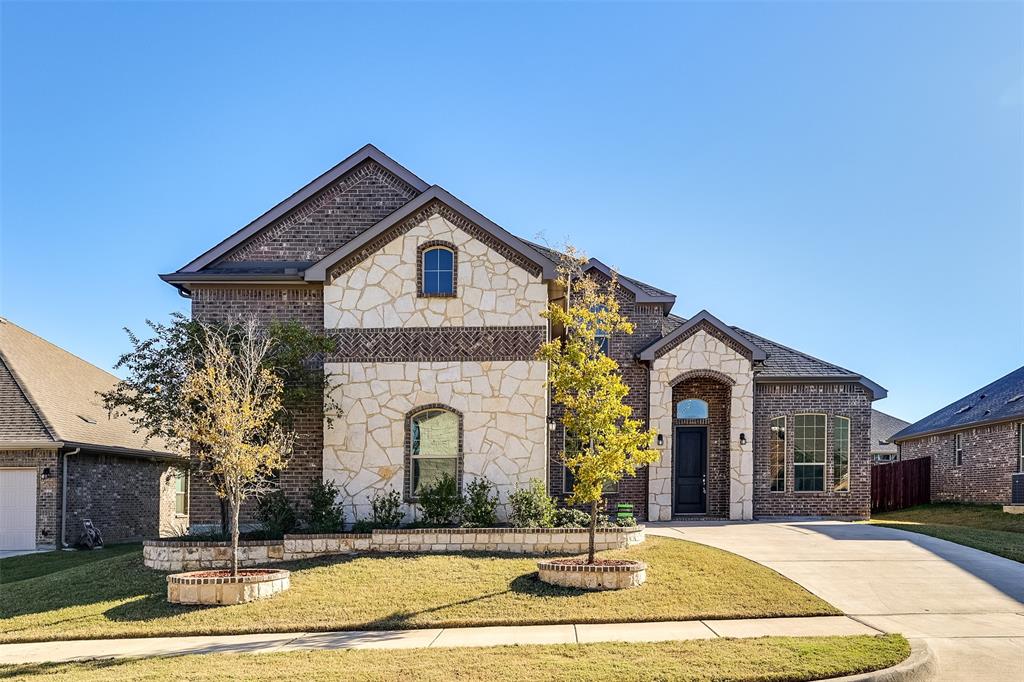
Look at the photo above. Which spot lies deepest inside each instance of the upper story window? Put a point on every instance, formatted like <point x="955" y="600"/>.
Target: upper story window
<point x="809" y="453"/>
<point x="601" y="336"/>
<point x="958" y="449"/>
<point x="691" y="408"/>
<point x="572" y="447"/>
<point x="841" y="454"/>
<point x="437" y="270"/>
<point x="434" y="447"/>
<point x="777" y="461"/>
<point x="1020" y="447"/>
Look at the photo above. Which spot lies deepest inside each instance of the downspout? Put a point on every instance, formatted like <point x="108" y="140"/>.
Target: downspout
<point x="64" y="498"/>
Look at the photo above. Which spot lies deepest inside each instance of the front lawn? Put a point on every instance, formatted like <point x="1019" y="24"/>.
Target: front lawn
<point x="984" y="527"/>
<point x="79" y="596"/>
<point x="767" y="658"/>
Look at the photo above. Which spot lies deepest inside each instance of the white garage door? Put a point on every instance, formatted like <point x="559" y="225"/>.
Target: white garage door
<point x="17" y="508"/>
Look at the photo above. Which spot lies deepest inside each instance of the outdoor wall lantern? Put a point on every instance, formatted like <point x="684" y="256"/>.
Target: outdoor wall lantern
<point x="47" y="473"/>
<point x="552" y="424"/>
<point x="743" y="439"/>
<point x="661" y="439"/>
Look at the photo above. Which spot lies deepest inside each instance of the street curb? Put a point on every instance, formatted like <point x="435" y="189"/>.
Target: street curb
<point x="920" y="666"/>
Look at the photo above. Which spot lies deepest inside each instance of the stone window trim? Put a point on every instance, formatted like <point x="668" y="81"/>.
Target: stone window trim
<point x="408" y="492"/>
<point x="422" y="249"/>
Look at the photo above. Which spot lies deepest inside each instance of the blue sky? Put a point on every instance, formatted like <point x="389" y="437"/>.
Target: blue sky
<point x="842" y="178"/>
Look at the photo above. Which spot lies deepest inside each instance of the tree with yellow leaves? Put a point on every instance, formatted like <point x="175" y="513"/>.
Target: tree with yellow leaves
<point x="608" y="442"/>
<point x="230" y="405"/>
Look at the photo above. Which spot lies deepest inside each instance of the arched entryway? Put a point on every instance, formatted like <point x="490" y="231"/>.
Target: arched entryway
<point x="700" y="443"/>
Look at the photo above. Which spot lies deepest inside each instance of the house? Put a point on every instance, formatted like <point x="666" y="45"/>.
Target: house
<point x="883" y="426"/>
<point x="63" y="459"/>
<point x="437" y="312"/>
<point x="976" y="443"/>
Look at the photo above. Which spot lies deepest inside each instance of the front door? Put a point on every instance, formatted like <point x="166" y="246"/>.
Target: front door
<point x="691" y="470"/>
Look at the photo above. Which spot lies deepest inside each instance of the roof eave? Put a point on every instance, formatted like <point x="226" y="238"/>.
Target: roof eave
<point x="900" y="437"/>
<point x="367" y="152"/>
<point x="30" y="444"/>
<point x="240" y="278"/>
<point x="126" y="451"/>
<point x="318" y="271"/>
<point x="648" y="354"/>
<point x="877" y="392"/>
<point x="641" y="296"/>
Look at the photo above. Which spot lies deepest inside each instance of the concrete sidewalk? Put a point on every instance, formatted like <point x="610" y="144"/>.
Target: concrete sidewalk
<point x="57" y="652"/>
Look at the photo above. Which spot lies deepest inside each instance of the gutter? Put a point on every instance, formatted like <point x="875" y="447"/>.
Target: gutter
<point x="64" y="499"/>
<point x="952" y="429"/>
<point x="30" y="445"/>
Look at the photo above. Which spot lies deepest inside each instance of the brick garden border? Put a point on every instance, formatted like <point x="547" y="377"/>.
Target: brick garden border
<point x="591" y="577"/>
<point x="189" y="588"/>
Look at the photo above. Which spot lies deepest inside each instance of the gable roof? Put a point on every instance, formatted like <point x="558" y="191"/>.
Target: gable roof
<point x="368" y="152"/>
<point x="61" y="391"/>
<point x="1002" y="400"/>
<point x="883" y="426"/>
<point x="782" y="363"/>
<point x="318" y="271"/>
<point x="651" y="351"/>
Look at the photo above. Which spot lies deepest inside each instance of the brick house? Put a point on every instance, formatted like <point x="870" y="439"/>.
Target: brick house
<point x="437" y="313"/>
<point x="63" y="459"/>
<point x="976" y="443"/>
<point x="883" y="428"/>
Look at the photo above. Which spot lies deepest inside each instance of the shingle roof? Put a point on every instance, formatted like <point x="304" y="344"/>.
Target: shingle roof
<point x="1001" y="400"/>
<point x="61" y="389"/>
<point x="883" y="426"/>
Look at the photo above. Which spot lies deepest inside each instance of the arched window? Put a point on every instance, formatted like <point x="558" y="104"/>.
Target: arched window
<point x="691" y="408"/>
<point x="434" y="447"/>
<point x="438" y="271"/>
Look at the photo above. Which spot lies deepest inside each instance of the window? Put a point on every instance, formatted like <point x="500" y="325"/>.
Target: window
<point x="691" y="408"/>
<point x="438" y="271"/>
<point x="777" y="455"/>
<point x="958" y="449"/>
<point x="841" y="454"/>
<point x="1020" y="447"/>
<point x="809" y="453"/>
<point x="572" y="447"/>
<point x="434" y="447"/>
<point x="601" y="336"/>
<point x="181" y="493"/>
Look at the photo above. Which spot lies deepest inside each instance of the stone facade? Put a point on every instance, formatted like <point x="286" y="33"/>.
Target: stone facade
<point x="991" y="455"/>
<point x="831" y="399"/>
<point x="717" y="394"/>
<point x="704" y="354"/>
<point x="503" y="407"/>
<point x="383" y="290"/>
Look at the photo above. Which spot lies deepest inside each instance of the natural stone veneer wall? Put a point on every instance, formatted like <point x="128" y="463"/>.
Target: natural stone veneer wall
<point x="170" y="555"/>
<point x="503" y="406"/>
<point x="701" y="355"/>
<point x="381" y="291"/>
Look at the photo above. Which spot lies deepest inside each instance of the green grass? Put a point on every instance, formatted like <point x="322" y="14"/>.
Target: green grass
<point x="78" y="596"/>
<point x="984" y="527"/>
<point x="768" y="658"/>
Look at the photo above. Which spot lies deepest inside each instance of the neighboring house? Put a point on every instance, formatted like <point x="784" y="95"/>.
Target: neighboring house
<point x="63" y="459"/>
<point x="883" y="426"/>
<point x="438" y="316"/>
<point x="976" y="443"/>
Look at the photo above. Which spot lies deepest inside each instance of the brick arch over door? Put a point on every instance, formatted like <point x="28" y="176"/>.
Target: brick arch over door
<point x="714" y="374"/>
<point x="716" y="392"/>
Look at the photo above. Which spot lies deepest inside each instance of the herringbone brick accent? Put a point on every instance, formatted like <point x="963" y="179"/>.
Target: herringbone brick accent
<point x="437" y="344"/>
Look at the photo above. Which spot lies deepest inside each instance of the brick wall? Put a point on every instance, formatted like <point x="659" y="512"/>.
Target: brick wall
<point x="991" y="456"/>
<point x="330" y="219"/>
<point x="302" y="304"/>
<point x="718" y="396"/>
<point x="847" y="400"/>
<point x="127" y="498"/>
<point x="47" y="489"/>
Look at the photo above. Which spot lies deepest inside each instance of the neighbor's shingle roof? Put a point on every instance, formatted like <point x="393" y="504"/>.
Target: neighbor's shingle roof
<point x="61" y="389"/>
<point x="782" y="361"/>
<point x="883" y="426"/>
<point x="1001" y="400"/>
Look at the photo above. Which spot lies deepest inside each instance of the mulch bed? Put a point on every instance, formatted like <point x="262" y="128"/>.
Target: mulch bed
<point x="597" y="562"/>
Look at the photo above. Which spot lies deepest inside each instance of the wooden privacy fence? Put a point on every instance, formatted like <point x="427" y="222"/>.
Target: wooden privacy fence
<point x="898" y="485"/>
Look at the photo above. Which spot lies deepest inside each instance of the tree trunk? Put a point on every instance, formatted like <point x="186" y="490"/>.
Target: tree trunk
<point x="225" y="518"/>
<point x="236" y="505"/>
<point x="593" y="531"/>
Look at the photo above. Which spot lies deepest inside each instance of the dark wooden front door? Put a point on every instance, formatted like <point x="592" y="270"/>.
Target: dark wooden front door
<point x="691" y="470"/>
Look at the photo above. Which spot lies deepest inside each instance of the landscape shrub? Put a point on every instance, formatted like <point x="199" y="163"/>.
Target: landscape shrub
<point x="568" y="517"/>
<point x="481" y="504"/>
<point x="441" y="502"/>
<point x="276" y="513"/>
<point x="385" y="512"/>
<point x="325" y="514"/>
<point x="532" y="507"/>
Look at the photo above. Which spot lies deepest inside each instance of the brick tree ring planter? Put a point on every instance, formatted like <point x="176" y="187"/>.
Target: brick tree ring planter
<point x="607" y="574"/>
<point x="220" y="587"/>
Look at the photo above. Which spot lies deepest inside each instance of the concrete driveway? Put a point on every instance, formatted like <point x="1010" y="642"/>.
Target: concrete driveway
<point x="968" y="605"/>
